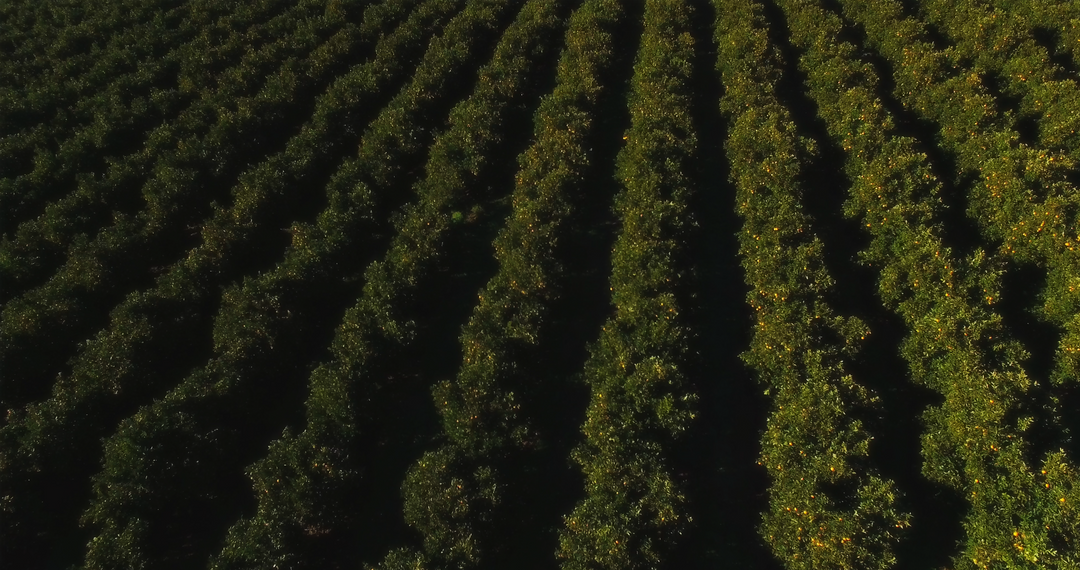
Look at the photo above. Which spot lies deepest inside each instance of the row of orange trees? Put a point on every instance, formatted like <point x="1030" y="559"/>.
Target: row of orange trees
<point x="248" y="226"/>
<point x="813" y="445"/>
<point x="103" y="94"/>
<point x="139" y="354"/>
<point x="223" y="64"/>
<point x="1023" y="492"/>
<point x="641" y="401"/>
<point x="59" y="54"/>
<point x="974" y="441"/>
<point x="259" y="337"/>
<point x="1027" y="196"/>
<point x="313" y="506"/>
<point x="198" y="159"/>
<point x="480" y="496"/>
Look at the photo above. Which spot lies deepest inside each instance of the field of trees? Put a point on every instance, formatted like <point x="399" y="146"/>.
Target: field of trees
<point x="539" y="284"/>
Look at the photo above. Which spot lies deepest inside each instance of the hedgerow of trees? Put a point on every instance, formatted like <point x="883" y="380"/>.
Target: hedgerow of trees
<point x="479" y="284"/>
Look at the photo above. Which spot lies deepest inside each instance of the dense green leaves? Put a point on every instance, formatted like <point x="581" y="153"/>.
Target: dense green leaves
<point x="284" y="247"/>
<point x="382" y="323"/>
<point x="1027" y="196"/>
<point x="956" y="344"/>
<point x="634" y="511"/>
<point x="125" y="362"/>
<point x="800" y="347"/>
<point x="473" y="496"/>
<point x="57" y="312"/>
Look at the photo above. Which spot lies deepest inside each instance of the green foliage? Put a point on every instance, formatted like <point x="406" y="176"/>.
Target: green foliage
<point x="190" y="239"/>
<point x="633" y="511"/>
<point x="1060" y="18"/>
<point x="378" y="325"/>
<point x="451" y="500"/>
<point x="956" y="344"/>
<point x="455" y="496"/>
<point x="99" y="122"/>
<point x="1027" y="199"/>
<point x="123" y="251"/>
<point x="811" y="443"/>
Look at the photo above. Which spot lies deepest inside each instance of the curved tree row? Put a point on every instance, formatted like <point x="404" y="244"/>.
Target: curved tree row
<point x="251" y="368"/>
<point x="813" y="443"/>
<point x="180" y="151"/>
<point x="46" y="321"/>
<point x="65" y="52"/>
<point x="1023" y="198"/>
<point x="479" y="497"/>
<point x="974" y="440"/>
<point x="28" y="101"/>
<point x="1000" y="43"/>
<point x="148" y="333"/>
<point x="634" y="510"/>
<point x="108" y="109"/>
<point x="115" y="118"/>
<point x="325" y="477"/>
<point x="1034" y="208"/>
